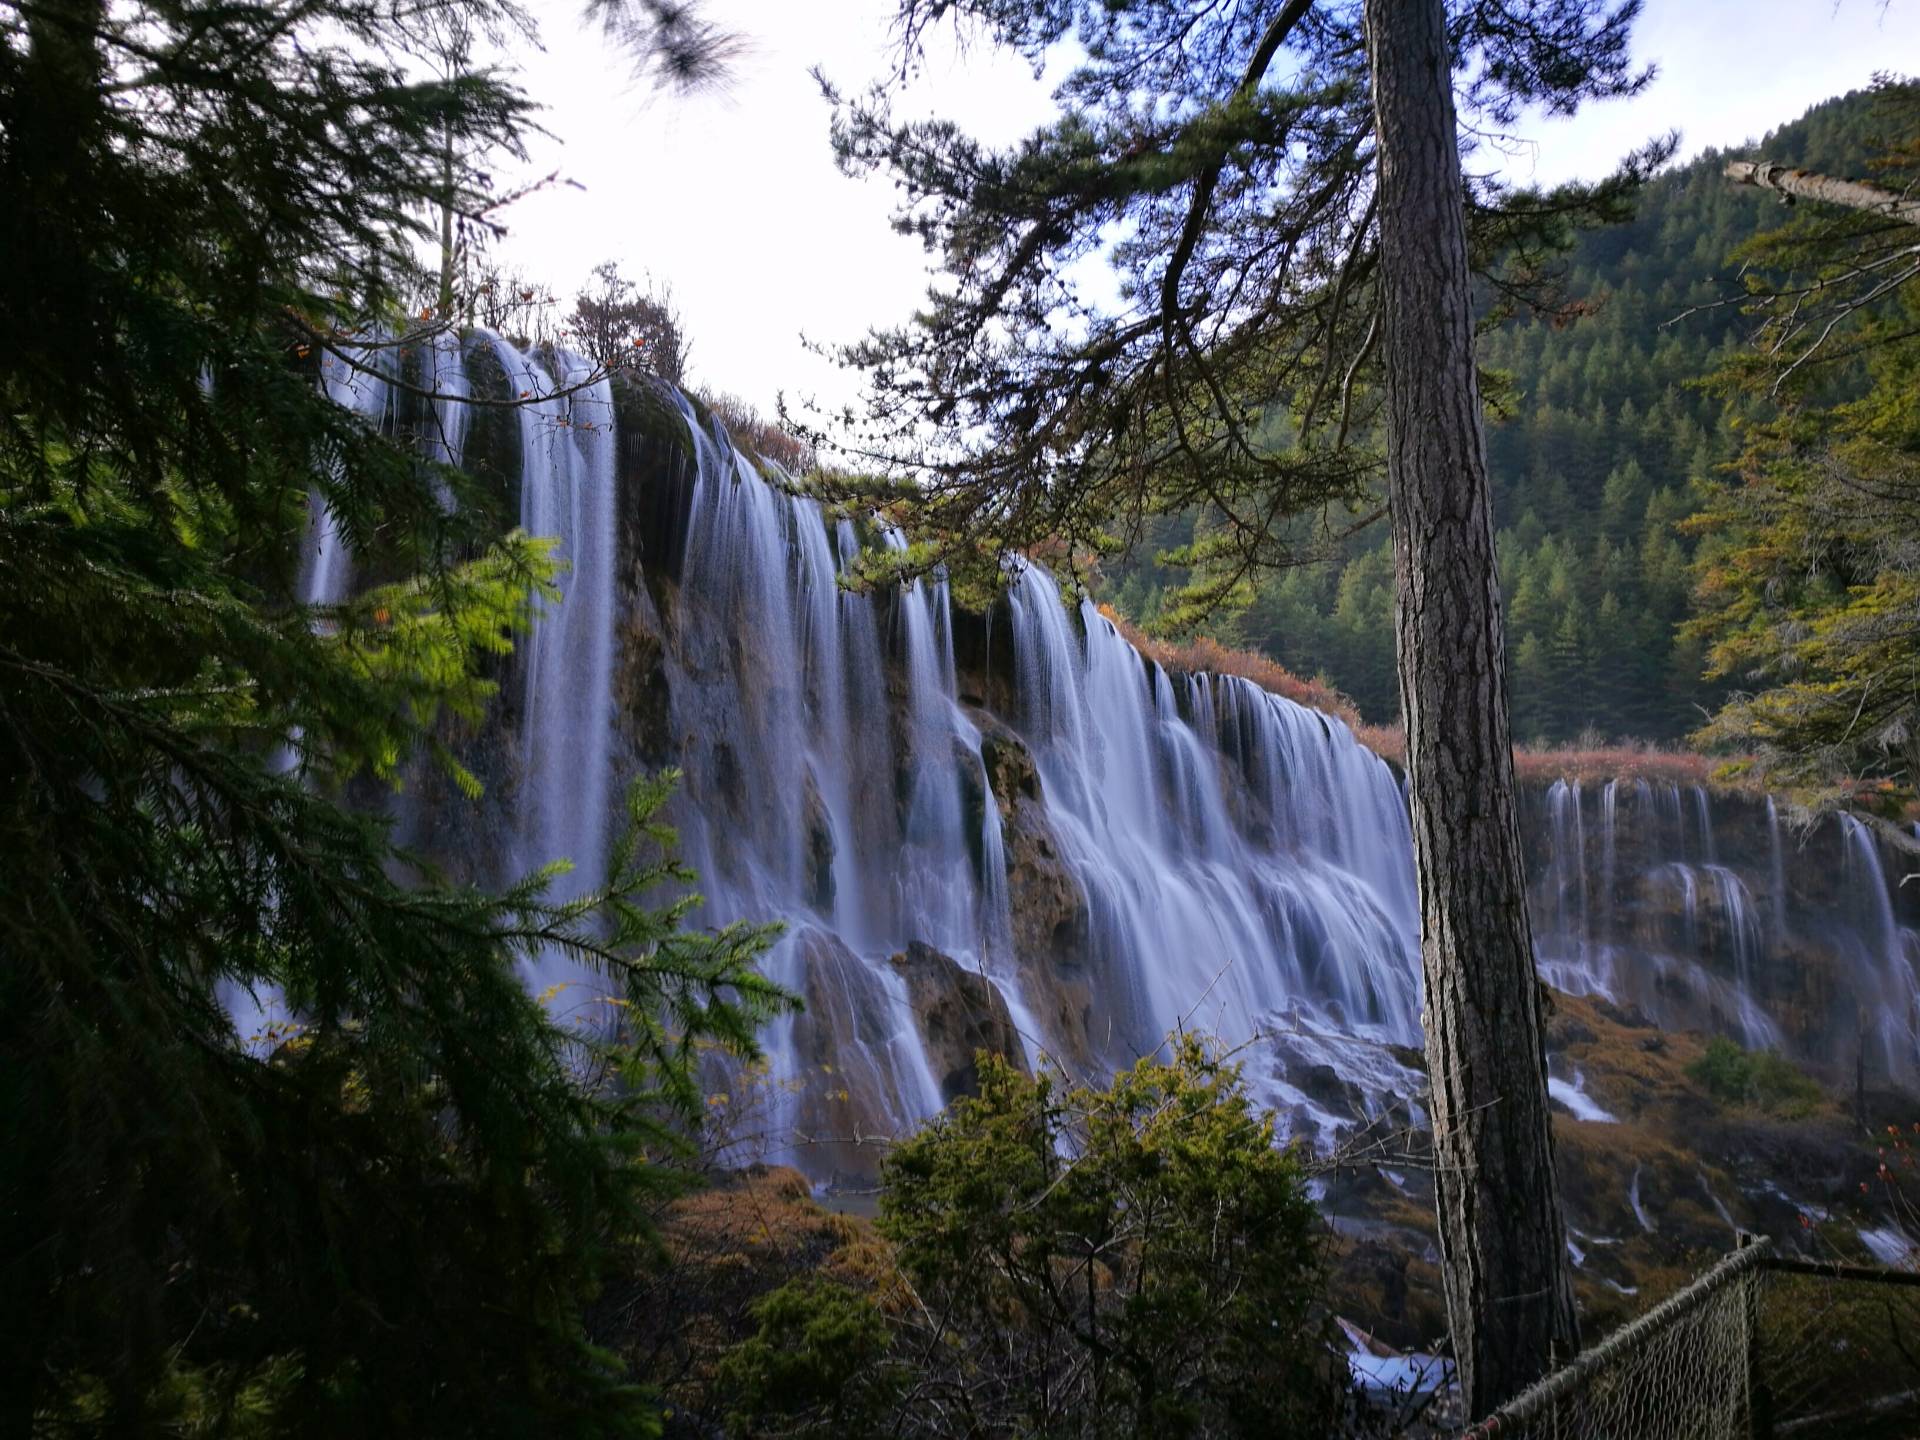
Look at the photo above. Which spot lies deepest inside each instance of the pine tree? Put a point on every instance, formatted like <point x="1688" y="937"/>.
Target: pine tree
<point x="1807" y="580"/>
<point x="1255" y="275"/>
<point x="386" y="1218"/>
<point x="1629" y="347"/>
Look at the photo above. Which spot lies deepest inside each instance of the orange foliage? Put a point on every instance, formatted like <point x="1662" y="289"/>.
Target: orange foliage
<point x="753" y="432"/>
<point x="1599" y="763"/>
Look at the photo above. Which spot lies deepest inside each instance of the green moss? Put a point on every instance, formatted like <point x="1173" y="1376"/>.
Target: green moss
<point x="642" y="413"/>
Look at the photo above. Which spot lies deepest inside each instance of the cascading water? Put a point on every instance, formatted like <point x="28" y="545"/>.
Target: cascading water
<point x="1103" y="850"/>
<point x="567" y="492"/>
<point x="1696" y="932"/>
<point x="1290" y="919"/>
<point x="354" y="379"/>
<point x="1890" y="998"/>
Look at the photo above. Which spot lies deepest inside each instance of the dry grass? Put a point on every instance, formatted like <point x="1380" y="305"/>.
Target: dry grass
<point x="722" y="1247"/>
<point x="1599" y="763"/>
<point x="1533" y="765"/>
<point x="1203" y="653"/>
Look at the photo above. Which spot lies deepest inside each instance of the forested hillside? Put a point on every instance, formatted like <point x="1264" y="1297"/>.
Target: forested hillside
<point x="1600" y="447"/>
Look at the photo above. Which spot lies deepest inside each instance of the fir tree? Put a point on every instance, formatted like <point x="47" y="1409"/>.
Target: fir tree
<point x="384" y="1220"/>
<point x="1808" y="583"/>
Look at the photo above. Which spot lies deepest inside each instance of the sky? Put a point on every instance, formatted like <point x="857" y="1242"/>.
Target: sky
<point x="734" y="202"/>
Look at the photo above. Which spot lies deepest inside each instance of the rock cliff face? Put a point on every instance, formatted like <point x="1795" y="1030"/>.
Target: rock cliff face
<point x="1010" y="832"/>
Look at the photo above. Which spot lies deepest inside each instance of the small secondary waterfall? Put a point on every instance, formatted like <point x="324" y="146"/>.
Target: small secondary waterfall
<point x="1048" y="828"/>
<point x="1887" y="952"/>
<point x="1696" y="932"/>
<point x="355" y="379"/>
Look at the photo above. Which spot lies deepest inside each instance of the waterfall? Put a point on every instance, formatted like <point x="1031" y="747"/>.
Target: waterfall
<point x="1609" y="855"/>
<point x="1571" y="962"/>
<point x="1757" y="1030"/>
<point x="1703" y="808"/>
<point x="566" y="783"/>
<point x="355" y="379"/>
<point x="1103" y="851"/>
<point x="1891" y="991"/>
<point x="1691" y="920"/>
<point x="1776" y="873"/>
<point x="1294" y="922"/>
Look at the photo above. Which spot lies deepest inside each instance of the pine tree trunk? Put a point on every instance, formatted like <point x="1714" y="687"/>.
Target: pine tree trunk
<point x="1502" y="1242"/>
<point x="444" y="311"/>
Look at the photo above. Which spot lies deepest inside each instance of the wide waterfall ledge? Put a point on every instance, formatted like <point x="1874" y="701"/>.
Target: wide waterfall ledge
<point x="1012" y="832"/>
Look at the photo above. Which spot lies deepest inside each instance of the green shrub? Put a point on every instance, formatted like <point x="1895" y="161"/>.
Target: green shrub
<point x="1760" y="1078"/>
<point x="817" y="1361"/>
<point x="1067" y="1262"/>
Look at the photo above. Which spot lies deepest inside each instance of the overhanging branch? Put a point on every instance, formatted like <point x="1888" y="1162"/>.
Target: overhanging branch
<point x="1791" y="185"/>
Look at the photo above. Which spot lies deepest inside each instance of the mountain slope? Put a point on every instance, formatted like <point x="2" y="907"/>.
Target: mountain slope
<point x="1597" y="452"/>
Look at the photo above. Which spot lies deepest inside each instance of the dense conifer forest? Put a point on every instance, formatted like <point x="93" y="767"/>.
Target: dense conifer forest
<point x="1603" y="439"/>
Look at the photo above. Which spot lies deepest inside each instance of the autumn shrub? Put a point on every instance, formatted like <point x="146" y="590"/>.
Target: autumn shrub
<point x="1595" y="763"/>
<point x="1588" y="761"/>
<point x="753" y="432"/>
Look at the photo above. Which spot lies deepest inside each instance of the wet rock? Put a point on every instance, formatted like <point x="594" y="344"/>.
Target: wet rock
<point x="1327" y="1088"/>
<point x="1411" y="1056"/>
<point x="644" y="685"/>
<point x="1567" y="1030"/>
<point x="656" y="474"/>
<point x="820" y="849"/>
<point x="1050" y="922"/>
<point x="1011" y="774"/>
<point x="847" y="1108"/>
<point x="959" y="1013"/>
<point x="983" y="658"/>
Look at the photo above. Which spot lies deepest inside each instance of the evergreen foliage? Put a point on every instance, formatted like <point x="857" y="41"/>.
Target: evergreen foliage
<point x="1600" y="441"/>
<point x="1139" y="1260"/>
<point x="1761" y="1078"/>
<point x="1165" y="299"/>
<point x="386" y="1219"/>
<point x="1809" y="581"/>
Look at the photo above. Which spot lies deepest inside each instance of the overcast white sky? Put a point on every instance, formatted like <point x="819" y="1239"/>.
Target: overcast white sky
<point x="736" y="203"/>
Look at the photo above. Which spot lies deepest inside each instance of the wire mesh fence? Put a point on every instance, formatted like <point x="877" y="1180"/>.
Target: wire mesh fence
<point x="1838" y="1352"/>
<point x="1758" y="1347"/>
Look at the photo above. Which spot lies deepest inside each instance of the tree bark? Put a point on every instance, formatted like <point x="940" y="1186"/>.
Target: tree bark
<point x="1793" y="185"/>
<point x="1502" y="1242"/>
<point x="445" y="296"/>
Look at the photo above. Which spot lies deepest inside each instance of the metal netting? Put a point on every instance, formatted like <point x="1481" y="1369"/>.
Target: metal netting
<point x="1680" y="1371"/>
<point x="1758" y="1348"/>
<point x="1838" y="1353"/>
